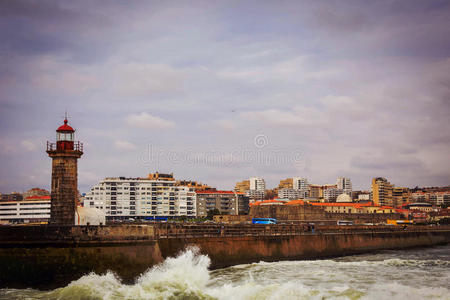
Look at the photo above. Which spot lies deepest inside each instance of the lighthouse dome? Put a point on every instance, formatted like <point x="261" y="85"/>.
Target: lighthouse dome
<point x="65" y="127"/>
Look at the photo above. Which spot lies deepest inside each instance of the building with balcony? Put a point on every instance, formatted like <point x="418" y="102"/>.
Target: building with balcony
<point x="300" y="183"/>
<point x="287" y="183"/>
<point x="255" y="195"/>
<point x="344" y="184"/>
<point x="14" y="196"/>
<point x="139" y="198"/>
<point x="288" y="194"/>
<point x="364" y="197"/>
<point x="227" y="202"/>
<point x="382" y="191"/>
<point x="316" y="191"/>
<point x="330" y="193"/>
<point x="400" y="196"/>
<point x="242" y="186"/>
<point x="257" y="184"/>
<point x="432" y="197"/>
<point x="31" y="210"/>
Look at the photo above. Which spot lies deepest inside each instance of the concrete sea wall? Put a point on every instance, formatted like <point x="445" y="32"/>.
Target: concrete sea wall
<point x="30" y="261"/>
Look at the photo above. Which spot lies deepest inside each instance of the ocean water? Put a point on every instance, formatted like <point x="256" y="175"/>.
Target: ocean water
<point x="407" y="274"/>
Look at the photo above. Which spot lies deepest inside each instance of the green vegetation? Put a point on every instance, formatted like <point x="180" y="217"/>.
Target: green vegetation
<point x="212" y="213"/>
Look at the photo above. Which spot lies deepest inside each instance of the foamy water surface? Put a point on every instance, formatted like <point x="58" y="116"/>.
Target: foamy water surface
<point x="406" y="274"/>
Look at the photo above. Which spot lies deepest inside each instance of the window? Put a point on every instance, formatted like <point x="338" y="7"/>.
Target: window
<point x="64" y="136"/>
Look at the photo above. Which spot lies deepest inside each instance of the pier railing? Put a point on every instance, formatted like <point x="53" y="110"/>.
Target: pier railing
<point x="174" y="230"/>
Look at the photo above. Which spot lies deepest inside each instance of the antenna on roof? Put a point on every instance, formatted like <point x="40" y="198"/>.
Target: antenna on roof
<point x="65" y="115"/>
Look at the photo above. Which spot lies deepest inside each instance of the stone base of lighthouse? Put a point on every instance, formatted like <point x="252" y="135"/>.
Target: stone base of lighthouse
<point x="64" y="186"/>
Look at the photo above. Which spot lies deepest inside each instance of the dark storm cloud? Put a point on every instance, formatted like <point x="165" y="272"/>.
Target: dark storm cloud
<point x="358" y="87"/>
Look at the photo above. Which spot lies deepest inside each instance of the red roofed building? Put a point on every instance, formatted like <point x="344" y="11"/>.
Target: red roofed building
<point x="272" y="202"/>
<point x="296" y="202"/>
<point x="35" y="192"/>
<point x="32" y="198"/>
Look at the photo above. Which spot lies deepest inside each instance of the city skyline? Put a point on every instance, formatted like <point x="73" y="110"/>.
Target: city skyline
<point x="246" y="89"/>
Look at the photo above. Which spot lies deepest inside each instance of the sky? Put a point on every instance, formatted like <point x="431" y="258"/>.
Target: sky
<point x="220" y="91"/>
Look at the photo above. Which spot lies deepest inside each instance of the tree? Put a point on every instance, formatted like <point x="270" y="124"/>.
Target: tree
<point x="213" y="212"/>
<point x="270" y="194"/>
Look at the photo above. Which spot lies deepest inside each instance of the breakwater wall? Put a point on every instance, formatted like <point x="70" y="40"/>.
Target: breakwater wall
<point x="49" y="257"/>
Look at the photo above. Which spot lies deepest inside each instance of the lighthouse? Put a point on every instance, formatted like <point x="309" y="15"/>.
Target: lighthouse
<point x="65" y="154"/>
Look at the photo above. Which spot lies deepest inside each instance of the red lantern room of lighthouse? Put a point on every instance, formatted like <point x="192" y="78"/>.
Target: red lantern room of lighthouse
<point x="64" y="137"/>
<point x="64" y="153"/>
<point x="65" y="140"/>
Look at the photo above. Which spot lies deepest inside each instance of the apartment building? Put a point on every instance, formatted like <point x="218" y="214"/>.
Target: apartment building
<point x="330" y="193"/>
<point x="344" y="184"/>
<point x="122" y="198"/>
<point x="14" y="196"/>
<point x="287" y="183"/>
<point x="257" y="189"/>
<point x="300" y="183"/>
<point x="315" y="191"/>
<point x="257" y="184"/>
<point x="363" y="197"/>
<point x="242" y="187"/>
<point x="400" y="196"/>
<point x="382" y="191"/>
<point x="288" y="193"/>
<point x="255" y="195"/>
<point x="227" y="202"/>
<point x="31" y="210"/>
<point x="432" y="197"/>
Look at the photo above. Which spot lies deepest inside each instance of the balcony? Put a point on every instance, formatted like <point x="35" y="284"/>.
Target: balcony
<point x="77" y="146"/>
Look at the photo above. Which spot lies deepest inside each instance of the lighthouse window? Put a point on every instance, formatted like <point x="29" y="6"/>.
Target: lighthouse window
<point x="62" y="136"/>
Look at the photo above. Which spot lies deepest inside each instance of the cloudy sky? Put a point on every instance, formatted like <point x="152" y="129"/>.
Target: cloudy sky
<point x="219" y="91"/>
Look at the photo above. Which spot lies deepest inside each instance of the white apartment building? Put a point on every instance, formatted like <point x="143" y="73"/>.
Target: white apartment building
<point x="122" y="198"/>
<point x="257" y="184"/>
<point x="26" y="211"/>
<point x="364" y="197"/>
<point x="299" y="183"/>
<point x="290" y="194"/>
<point x="331" y="194"/>
<point x="435" y="198"/>
<point x="344" y="184"/>
<point x="255" y="195"/>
